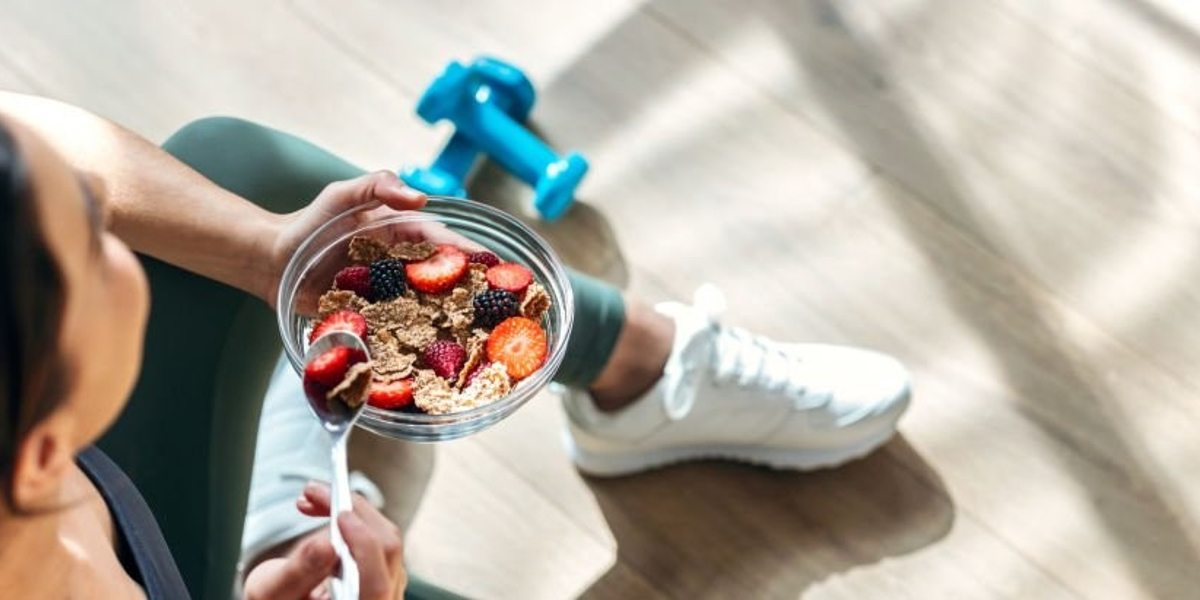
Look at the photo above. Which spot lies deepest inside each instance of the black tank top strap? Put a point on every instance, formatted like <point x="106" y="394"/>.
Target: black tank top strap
<point x="141" y="547"/>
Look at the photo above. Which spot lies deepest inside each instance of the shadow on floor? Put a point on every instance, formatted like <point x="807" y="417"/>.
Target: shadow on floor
<point x="723" y="530"/>
<point x="583" y="238"/>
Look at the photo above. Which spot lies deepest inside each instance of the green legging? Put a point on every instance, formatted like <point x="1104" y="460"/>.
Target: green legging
<point x="187" y="436"/>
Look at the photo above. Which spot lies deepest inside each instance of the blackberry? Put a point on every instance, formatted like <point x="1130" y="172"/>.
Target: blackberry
<point x="494" y="306"/>
<point x="387" y="279"/>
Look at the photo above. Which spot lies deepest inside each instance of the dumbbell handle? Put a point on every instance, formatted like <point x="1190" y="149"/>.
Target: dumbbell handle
<point x="505" y="141"/>
<point x="456" y="158"/>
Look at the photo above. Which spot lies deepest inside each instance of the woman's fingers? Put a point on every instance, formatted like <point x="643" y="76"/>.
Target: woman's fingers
<point x="314" y="500"/>
<point x="383" y="552"/>
<point x="379" y="577"/>
<point x="384" y="186"/>
<point x="296" y="575"/>
<point x="391" y="540"/>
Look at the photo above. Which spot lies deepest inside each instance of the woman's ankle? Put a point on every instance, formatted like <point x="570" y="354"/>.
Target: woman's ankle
<point x="637" y="361"/>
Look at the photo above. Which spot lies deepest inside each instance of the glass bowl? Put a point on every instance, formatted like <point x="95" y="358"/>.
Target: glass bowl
<point x="310" y="273"/>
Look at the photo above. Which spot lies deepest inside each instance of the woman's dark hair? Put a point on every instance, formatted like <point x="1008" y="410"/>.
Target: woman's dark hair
<point x="32" y="370"/>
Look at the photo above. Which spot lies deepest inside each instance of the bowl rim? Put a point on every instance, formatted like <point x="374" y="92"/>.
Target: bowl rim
<point x="476" y="211"/>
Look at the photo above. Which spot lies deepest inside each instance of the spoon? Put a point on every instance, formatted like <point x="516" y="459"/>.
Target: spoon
<point x="338" y="419"/>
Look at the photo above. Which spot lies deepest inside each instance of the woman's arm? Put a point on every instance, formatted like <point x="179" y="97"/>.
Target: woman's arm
<point x="164" y="209"/>
<point x="159" y="206"/>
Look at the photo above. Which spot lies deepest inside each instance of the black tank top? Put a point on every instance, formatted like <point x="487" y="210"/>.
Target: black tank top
<point x="140" y="544"/>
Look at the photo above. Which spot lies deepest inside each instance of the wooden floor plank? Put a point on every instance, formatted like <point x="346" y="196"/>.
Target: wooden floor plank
<point x="409" y="42"/>
<point x="475" y="506"/>
<point x="1151" y="47"/>
<point x="12" y="78"/>
<point x="153" y="66"/>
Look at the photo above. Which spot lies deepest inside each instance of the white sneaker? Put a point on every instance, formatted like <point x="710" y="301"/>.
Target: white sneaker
<point x="726" y="393"/>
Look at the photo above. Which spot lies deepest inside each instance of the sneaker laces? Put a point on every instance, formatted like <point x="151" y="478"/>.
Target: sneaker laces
<point x="728" y="355"/>
<point x="749" y="360"/>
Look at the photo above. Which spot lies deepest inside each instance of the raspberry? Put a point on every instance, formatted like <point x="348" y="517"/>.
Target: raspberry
<point x="494" y="306"/>
<point x="446" y="358"/>
<point x="484" y="258"/>
<point x="356" y="278"/>
<point x="387" y="279"/>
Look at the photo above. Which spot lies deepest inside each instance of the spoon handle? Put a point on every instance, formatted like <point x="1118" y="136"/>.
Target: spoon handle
<point x="345" y="584"/>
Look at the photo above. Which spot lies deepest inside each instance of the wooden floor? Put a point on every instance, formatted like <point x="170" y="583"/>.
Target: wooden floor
<point x="1003" y="193"/>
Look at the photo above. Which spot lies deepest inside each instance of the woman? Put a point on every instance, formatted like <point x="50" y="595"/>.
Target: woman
<point x="72" y="317"/>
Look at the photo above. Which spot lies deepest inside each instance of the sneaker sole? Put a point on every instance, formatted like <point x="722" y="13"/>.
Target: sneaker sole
<point x="619" y="464"/>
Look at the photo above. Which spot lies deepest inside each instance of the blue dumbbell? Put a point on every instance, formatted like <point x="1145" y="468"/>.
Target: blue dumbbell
<point x="496" y="82"/>
<point x="487" y="102"/>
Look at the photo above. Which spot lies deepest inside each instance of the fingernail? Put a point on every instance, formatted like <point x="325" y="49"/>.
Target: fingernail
<point x="411" y="193"/>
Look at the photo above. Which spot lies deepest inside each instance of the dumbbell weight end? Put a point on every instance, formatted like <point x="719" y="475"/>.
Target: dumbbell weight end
<point x="555" y="189"/>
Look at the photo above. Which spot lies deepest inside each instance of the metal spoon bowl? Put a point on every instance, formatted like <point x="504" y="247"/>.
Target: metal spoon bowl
<point x="338" y="419"/>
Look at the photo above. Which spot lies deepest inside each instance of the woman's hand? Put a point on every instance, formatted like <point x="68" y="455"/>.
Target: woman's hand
<point x="303" y="573"/>
<point x="291" y="230"/>
<point x="337" y="197"/>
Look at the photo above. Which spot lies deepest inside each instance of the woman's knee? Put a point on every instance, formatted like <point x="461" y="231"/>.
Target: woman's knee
<point x="272" y="168"/>
<point x="206" y="133"/>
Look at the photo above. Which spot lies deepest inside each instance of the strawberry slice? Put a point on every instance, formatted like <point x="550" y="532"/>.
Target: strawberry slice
<point x="342" y="320"/>
<point x="329" y="367"/>
<point x="510" y="277"/>
<point x="519" y="344"/>
<point x="439" y="272"/>
<point x="390" y="395"/>
<point x="313" y="389"/>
